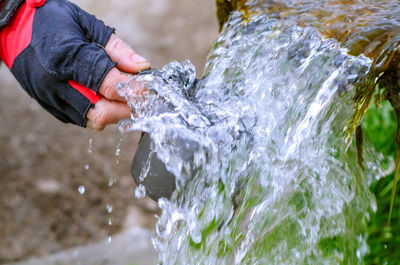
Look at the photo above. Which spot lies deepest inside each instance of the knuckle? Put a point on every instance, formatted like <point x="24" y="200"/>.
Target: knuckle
<point x="99" y="129"/>
<point x="116" y="43"/>
<point x="107" y="87"/>
<point x="101" y="119"/>
<point x="119" y="43"/>
<point x="108" y="91"/>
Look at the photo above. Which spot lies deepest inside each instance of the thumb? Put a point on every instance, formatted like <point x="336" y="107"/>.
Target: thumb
<point x="128" y="60"/>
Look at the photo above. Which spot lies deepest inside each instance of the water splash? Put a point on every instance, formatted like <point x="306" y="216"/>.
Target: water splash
<point x="109" y="208"/>
<point x="270" y="178"/>
<point x="112" y="181"/>
<point x="140" y="192"/>
<point x="82" y="189"/>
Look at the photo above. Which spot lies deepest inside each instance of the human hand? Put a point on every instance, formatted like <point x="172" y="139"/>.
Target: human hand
<point x="69" y="61"/>
<point x="112" y="107"/>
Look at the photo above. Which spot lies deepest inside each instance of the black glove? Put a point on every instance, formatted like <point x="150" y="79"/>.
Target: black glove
<point x="56" y="52"/>
<point x="7" y="8"/>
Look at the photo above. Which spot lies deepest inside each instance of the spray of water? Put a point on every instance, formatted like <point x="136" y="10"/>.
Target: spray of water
<point x="270" y="178"/>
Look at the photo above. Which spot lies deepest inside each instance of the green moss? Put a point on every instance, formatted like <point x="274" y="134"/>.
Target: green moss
<point x="225" y="7"/>
<point x="380" y="126"/>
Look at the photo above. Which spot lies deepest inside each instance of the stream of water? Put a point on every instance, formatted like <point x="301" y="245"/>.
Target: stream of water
<point x="271" y="178"/>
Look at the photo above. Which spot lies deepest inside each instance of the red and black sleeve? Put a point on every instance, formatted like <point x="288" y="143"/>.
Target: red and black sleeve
<point x="7" y="9"/>
<point x="56" y="52"/>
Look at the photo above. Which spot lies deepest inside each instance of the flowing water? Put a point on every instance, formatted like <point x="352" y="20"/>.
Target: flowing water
<point x="271" y="177"/>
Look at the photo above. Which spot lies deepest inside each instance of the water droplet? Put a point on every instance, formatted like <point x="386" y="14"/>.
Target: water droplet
<point x="87" y="167"/>
<point x="90" y="149"/>
<point x="82" y="189"/>
<point x="109" y="208"/>
<point x="109" y="239"/>
<point x="109" y="222"/>
<point x="111" y="182"/>
<point x="118" y="150"/>
<point x="140" y="192"/>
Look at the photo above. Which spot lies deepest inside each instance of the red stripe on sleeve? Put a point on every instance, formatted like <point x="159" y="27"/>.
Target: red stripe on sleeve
<point x="92" y="96"/>
<point x="17" y="35"/>
<point x="36" y="3"/>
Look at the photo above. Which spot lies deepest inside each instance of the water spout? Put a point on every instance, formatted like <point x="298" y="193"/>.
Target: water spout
<point x="273" y="178"/>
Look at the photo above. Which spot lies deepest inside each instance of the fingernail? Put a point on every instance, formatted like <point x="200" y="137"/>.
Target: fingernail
<point x="139" y="59"/>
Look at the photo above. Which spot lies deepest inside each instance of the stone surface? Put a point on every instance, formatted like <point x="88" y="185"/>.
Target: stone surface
<point x="132" y="247"/>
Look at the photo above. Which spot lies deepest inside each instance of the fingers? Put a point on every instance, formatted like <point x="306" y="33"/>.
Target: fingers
<point x="108" y="86"/>
<point x="107" y="112"/>
<point x="128" y="60"/>
<point x="112" y="108"/>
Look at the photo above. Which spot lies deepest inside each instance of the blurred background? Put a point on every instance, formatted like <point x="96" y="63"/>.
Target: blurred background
<point x="55" y="178"/>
